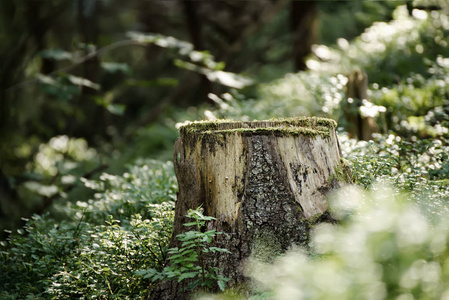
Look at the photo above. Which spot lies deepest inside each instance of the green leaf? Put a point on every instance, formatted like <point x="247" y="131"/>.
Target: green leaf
<point x="206" y="239"/>
<point x="173" y="257"/>
<point x="220" y="66"/>
<point x="187" y="251"/>
<point x="80" y="81"/>
<point x="188" y="244"/>
<point x="187" y="275"/>
<point x="221" y="285"/>
<point x="190" y="224"/>
<point x="116" y="109"/>
<point x="191" y="258"/>
<point x="113" y="67"/>
<point x="56" y="54"/>
<point x="150" y="273"/>
<point x="215" y="249"/>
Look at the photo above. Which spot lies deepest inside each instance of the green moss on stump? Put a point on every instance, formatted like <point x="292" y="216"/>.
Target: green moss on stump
<point x="342" y="173"/>
<point x="309" y="126"/>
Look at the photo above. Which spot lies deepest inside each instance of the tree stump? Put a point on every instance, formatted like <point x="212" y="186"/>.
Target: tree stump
<point x="358" y="126"/>
<point x="265" y="182"/>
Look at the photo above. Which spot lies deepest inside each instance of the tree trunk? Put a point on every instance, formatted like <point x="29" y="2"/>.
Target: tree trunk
<point x="94" y="115"/>
<point x="194" y="28"/>
<point x="304" y="28"/>
<point x="265" y="182"/>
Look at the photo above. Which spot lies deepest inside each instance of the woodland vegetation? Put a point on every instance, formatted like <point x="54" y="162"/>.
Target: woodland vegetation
<point x="91" y="96"/>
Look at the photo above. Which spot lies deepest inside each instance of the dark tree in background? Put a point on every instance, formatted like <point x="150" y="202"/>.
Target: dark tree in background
<point x="24" y="28"/>
<point x="233" y="30"/>
<point x="194" y="27"/>
<point x="304" y="27"/>
<point x="88" y="14"/>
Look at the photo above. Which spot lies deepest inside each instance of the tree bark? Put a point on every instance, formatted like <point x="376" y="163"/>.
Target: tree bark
<point x="265" y="182"/>
<point x="304" y="28"/>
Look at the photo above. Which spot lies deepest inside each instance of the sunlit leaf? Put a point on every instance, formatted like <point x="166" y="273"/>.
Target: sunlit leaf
<point x="221" y="284"/>
<point x="113" y="67"/>
<point x="83" y="82"/>
<point x="116" y="109"/>
<point x="225" y="78"/>
<point x="44" y="190"/>
<point x="56" y="54"/>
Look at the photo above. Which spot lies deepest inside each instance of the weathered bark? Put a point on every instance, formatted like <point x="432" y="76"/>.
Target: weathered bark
<point x="265" y="183"/>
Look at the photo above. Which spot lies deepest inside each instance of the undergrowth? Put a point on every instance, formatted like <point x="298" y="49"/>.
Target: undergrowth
<point x="113" y="242"/>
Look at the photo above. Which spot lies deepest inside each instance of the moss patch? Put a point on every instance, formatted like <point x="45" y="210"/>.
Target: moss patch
<point x="342" y="174"/>
<point x="277" y="131"/>
<point x="309" y="126"/>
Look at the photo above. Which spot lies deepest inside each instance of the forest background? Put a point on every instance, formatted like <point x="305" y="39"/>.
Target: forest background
<point x="92" y="93"/>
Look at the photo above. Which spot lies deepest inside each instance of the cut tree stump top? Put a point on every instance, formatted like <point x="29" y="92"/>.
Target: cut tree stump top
<point x="309" y="126"/>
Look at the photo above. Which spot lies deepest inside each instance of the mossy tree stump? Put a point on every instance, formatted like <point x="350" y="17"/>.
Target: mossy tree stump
<point x="264" y="181"/>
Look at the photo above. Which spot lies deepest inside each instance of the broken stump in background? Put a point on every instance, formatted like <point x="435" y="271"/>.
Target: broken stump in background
<point x="358" y="126"/>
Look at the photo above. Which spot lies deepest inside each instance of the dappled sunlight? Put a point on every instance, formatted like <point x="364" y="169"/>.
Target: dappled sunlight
<point x="403" y="38"/>
<point x="88" y="189"/>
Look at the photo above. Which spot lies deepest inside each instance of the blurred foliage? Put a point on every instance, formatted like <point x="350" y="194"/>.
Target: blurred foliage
<point x="405" y="45"/>
<point x="419" y="168"/>
<point x="412" y="88"/>
<point x="344" y="19"/>
<point x="53" y="174"/>
<point x="99" y="246"/>
<point x="383" y="248"/>
<point x="54" y="167"/>
<point x="67" y="125"/>
<point x="121" y="196"/>
<point x="417" y="105"/>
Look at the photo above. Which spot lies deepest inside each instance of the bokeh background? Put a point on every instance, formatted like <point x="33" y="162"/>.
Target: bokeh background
<point x="92" y="92"/>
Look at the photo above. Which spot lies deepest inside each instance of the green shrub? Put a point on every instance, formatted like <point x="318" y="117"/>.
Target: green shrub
<point x="420" y="168"/>
<point x="104" y="264"/>
<point x="53" y="173"/>
<point x="398" y="48"/>
<point x="121" y="196"/>
<point x="97" y="249"/>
